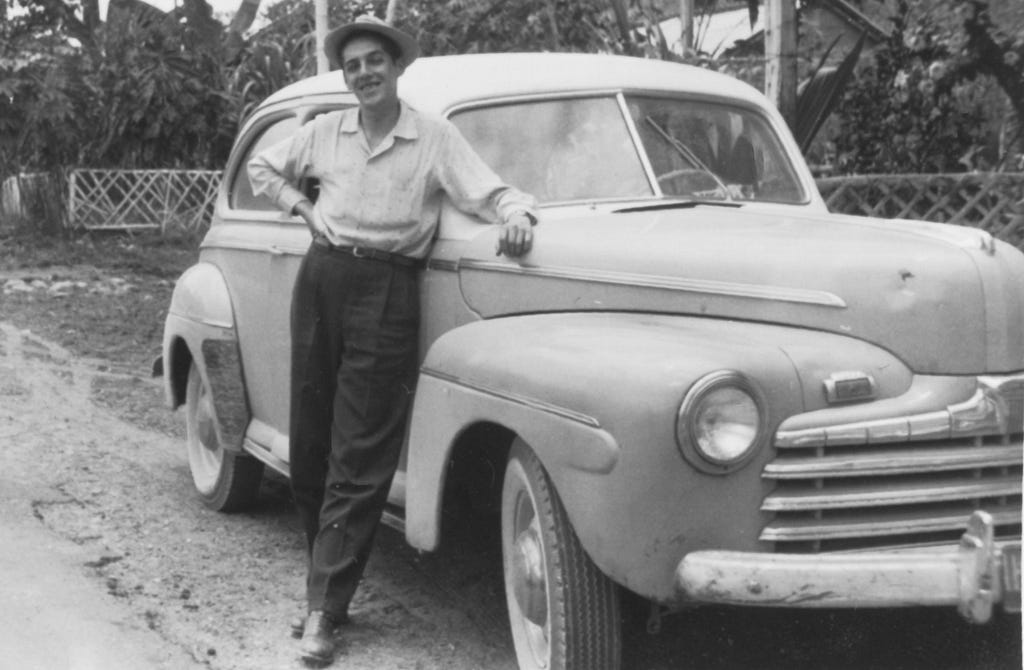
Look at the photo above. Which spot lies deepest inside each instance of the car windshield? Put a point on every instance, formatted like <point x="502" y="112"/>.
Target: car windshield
<point x="583" y="148"/>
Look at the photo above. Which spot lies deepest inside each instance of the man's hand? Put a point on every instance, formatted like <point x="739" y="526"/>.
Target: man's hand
<point x="515" y="236"/>
<point x="304" y="208"/>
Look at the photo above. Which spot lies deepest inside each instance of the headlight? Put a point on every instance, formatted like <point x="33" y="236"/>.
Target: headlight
<point x="721" y="422"/>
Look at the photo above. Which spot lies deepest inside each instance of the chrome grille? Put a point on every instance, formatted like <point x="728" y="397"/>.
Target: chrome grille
<point x="854" y="496"/>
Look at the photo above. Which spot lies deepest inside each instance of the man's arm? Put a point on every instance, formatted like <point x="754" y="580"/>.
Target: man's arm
<point x="475" y="188"/>
<point x="275" y="171"/>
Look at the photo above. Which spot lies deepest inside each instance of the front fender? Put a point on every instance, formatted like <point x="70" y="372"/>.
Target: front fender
<point x="596" y="395"/>
<point x="200" y="329"/>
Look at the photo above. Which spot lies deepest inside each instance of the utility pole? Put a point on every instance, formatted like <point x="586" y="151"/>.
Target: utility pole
<point x="780" y="56"/>
<point x="320" y="21"/>
<point x="686" y="14"/>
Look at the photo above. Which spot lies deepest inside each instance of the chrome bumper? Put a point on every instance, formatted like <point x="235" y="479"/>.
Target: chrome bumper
<point x="969" y="576"/>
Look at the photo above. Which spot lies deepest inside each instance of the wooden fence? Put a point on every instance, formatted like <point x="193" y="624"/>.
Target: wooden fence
<point x="181" y="201"/>
<point x="168" y="200"/>
<point x="991" y="201"/>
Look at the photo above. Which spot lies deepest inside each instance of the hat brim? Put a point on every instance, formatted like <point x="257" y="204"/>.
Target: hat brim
<point x="407" y="45"/>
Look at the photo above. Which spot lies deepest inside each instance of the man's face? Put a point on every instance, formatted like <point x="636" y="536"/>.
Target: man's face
<point x="370" y="72"/>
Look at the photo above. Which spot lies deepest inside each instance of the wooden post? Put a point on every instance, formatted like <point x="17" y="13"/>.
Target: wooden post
<point x="72" y="192"/>
<point x="686" y="14"/>
<point x="780" y="56"/>
<point x="320" y="19"/>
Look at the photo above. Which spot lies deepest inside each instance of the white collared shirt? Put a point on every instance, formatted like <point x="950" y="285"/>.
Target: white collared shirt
<point x="390" y="197"/>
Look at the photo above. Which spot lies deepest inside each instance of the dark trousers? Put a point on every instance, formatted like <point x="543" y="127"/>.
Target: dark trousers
<point x="354" y="328"/>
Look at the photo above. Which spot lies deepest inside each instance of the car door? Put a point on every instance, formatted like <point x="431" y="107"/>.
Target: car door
<point x="258" y="248"/>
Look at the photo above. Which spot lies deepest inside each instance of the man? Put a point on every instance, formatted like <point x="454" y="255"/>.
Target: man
<point x="383" y="170"/>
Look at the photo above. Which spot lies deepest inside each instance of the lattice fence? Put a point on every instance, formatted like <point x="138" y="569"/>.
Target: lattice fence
<point x="170" y="200"/>
<point x="990" y="201"/>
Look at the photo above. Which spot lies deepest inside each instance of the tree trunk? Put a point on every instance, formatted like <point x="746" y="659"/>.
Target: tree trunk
<point x="244" y="16"/>
<point x="91" y="14"/>
<point x="622" y="19"/>
<point x="989" y="55"/>
<point x="1011" y="143"/>
<point x="391" y="13"/>
<point x="549" y="9"/>
<point x="234" y="41"/>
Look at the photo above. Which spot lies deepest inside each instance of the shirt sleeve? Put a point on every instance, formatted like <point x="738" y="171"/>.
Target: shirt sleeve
<point x="276" y="170"/>
<point x="473" y="186"/>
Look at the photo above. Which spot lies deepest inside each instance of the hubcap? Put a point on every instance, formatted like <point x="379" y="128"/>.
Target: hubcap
<point x="528" y="571"/>
<point x="205" y="455"/>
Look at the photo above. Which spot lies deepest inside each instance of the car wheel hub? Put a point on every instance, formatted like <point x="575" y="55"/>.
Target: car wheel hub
<point x="207" y="432"/>
<point x="528" y="573"/>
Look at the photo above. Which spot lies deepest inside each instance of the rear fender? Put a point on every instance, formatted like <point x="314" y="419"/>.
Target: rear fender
<point x="200" y="329"/>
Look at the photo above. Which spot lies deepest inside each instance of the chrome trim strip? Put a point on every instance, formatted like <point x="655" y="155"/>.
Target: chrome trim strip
<point x="894" y="463"/>
<point x="442" y="265"/>
<point x="932" y="492"/>
<point x="517" y="398"/>
<point x="876" y="528"/>
<point x="703" y="286"/>
<point x="272" y="249"/>
<point x="987" y="412"/>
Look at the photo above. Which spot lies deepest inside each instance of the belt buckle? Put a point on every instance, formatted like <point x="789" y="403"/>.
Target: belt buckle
<point x="358" y="252"/>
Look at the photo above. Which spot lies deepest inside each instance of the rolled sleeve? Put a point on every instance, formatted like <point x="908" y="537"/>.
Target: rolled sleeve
<point x="474" y="187"/>
<point x="276" y="170"/>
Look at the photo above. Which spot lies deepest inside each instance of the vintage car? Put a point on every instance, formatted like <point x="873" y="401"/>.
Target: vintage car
<point x="699" y="386"/>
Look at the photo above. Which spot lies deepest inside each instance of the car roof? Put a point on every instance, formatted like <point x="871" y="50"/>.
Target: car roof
<point x="436" y="84"/>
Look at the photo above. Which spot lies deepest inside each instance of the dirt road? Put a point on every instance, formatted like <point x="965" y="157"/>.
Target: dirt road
<point x="111" y="506"/>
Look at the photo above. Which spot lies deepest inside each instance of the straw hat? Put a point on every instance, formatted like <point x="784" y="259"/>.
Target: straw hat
<point x="368" y="23"/>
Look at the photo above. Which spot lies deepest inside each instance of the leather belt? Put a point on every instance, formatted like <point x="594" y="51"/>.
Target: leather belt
<point x="371" y="253"/>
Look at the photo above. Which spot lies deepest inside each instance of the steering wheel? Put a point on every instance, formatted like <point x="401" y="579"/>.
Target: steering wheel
<point x="690" y="181"/>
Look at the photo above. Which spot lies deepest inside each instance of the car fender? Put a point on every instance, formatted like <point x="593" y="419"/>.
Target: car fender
<point x="200" y="328"/>
<point x="596" y="396"/>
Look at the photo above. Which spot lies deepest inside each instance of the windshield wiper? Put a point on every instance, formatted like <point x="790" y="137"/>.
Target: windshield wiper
<point x="677" y="203"/>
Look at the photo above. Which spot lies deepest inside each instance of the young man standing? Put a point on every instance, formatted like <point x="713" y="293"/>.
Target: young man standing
<point x="383" y="170"/>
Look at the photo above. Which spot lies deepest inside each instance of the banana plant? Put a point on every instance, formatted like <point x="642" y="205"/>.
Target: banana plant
<point x="819" y="95"/>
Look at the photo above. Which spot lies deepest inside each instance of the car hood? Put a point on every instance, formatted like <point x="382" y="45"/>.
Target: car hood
<point x="945" y="299"/>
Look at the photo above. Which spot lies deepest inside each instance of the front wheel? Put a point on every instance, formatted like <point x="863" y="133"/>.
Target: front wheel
<point x="563" y="611"/>
<point x="226" y="481"/>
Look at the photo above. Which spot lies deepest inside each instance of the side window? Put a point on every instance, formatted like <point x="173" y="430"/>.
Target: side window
<point x="241" y="195"/>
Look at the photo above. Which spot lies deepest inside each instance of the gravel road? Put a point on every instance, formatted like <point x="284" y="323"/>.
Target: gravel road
<point x="110" y="506"/>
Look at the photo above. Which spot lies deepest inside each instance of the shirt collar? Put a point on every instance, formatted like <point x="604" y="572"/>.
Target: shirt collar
<point x="405" y="127"/>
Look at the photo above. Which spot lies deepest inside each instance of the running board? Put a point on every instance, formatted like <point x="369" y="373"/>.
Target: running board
<point x="394" y="517"/>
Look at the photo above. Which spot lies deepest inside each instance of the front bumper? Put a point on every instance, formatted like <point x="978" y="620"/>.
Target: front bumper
<point x="973" y="576"/>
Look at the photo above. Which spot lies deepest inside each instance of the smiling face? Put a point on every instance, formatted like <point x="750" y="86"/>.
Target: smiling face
<point x="370" y="71"/>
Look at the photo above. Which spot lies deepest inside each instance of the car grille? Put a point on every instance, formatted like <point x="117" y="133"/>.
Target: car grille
<point x="871" y="493"/>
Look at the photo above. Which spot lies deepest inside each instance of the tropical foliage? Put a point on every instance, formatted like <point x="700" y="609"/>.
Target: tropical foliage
<point x="146" y="91"/>
<point x="924" y="103"/>
<point x="151" y="90"/>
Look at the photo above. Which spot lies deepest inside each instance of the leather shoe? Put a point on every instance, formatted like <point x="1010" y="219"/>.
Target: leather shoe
<point x="317" y="647"/>
<point x="298" y="625"/>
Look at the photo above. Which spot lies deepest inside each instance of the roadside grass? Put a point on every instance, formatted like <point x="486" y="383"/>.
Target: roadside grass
<point x="100" y="296"/>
